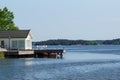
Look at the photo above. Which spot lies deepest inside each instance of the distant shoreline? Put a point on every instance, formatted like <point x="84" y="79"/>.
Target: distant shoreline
<point x="77" y="42"/>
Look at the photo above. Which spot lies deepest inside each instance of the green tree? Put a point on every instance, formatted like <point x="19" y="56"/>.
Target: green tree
<point x="6" y="20"/>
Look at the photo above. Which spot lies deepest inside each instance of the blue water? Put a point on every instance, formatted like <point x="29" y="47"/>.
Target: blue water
<point x="79" y="63"/>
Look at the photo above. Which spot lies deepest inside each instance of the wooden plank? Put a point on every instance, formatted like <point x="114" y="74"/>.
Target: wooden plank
<point x="26" y="52"/>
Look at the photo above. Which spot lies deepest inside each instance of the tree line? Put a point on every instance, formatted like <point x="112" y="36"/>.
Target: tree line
<point x="78" y="42"/>
<point x="64" y="42"/>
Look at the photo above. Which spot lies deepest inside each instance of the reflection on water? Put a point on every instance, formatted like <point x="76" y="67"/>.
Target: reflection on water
<point x="75" y="66"/>
<point x="28" y="61"/>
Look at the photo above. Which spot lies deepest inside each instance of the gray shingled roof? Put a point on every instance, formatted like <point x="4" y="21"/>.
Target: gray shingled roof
<point x="14" y="34"/>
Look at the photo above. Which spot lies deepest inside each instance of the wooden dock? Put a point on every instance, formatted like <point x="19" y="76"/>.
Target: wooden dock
<point x="19" y="53"/>
<point x="44" y="53"/>
<point x="49" y="53"/>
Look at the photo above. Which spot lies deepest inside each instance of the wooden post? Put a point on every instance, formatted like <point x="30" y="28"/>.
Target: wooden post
<point x="48" y="55"/>
<point x="61" y="55"/>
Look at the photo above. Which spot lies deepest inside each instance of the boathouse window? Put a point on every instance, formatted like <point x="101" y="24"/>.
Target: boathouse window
<point x="14" y="44"/>
<point x="18" y="44"/>
<point x="21" y="44"/>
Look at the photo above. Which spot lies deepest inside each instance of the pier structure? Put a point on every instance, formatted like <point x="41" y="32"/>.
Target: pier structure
<point x="19" y="53"/>
<point x="44" y="53"/>
<point x="49" y="53"/>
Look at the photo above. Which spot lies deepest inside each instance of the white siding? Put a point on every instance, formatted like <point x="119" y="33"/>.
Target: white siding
<point x="28" y="42"/>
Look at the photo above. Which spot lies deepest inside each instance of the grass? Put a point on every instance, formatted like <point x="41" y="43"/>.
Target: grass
<point x="1" y="55"/>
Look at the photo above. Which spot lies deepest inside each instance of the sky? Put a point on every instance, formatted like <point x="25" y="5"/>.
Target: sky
<point x="67" y="19"/>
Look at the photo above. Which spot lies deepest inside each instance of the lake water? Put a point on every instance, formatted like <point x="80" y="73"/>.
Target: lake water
<point x="79" y="63"/>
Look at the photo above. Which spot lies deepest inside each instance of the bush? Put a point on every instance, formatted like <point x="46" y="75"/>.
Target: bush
<point x="1" y="55"/>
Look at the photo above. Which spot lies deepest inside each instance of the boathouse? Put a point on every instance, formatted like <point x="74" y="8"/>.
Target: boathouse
<point x="16" y="39"/>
